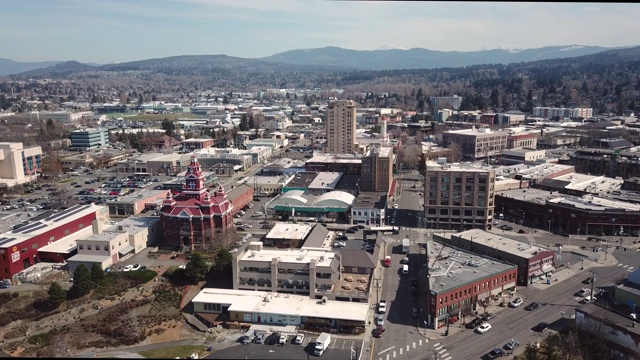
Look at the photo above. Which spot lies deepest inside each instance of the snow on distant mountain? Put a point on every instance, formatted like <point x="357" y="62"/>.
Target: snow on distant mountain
<point x="573" y="47"/>
<point x="390" y="47"/>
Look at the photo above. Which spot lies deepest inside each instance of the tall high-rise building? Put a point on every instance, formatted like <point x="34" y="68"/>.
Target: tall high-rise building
<point x="341" y="127"/>
<point x="377" y="170"/>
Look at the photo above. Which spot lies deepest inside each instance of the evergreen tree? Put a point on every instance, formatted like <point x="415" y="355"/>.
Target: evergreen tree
<point x="97" y="275"/>
<point x="57" y="295"/>
<point x="244" y="123"/>
<point x="196" y="269"/>
<point x="82" y="284"/>
<point x="252" y="123"/>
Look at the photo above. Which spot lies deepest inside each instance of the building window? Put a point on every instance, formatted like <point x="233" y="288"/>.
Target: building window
<point x="88" y="247"/>
<point x="81" y="247"/>
<point x="106" y="248"/>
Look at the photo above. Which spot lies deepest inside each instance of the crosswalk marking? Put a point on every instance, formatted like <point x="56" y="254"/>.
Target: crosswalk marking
<point x="439" y="347"/>
<point x="619" y="264"/>
<point x="400" y="351"/>
<point x="414" y="344"/>
<point x="394" y="354"/>
<point x="434" y="345"/>
<point x="625" y="266"/>
<point x="387" y="356"/>
<point x="420" y="342"/>
<point x="449" y="358"/>
<point x="442" y="351"/>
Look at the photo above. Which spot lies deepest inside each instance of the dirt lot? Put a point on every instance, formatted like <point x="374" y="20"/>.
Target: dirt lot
<point x="146" y="314"/>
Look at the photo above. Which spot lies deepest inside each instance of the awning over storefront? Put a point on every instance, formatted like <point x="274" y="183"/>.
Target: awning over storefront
<point x="126" y="250"/>
<point x="548" y="268"/>
<point x="537" y="273"/>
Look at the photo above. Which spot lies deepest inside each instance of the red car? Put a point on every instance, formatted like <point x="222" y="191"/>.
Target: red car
<point x="378" y="332"/>
<point x="114" y="193"/>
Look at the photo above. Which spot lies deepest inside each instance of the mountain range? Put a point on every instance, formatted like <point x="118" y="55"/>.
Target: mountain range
<point x="319" y="59"/>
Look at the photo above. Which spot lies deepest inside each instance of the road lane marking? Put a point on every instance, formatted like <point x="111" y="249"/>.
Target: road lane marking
<point x="414" y="346"/>
<point x="385" y="350"/>
<point x="387" y="356"/>
<point x="420" y="342"/>
<point x="394" y="354"/>
<point x="400" y="351"/>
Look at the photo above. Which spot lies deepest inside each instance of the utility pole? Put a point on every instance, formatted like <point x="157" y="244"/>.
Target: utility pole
<point x="593" y="281"/>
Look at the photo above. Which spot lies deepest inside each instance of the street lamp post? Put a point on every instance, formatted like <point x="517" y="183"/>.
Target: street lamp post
<point x="549" y="221"/>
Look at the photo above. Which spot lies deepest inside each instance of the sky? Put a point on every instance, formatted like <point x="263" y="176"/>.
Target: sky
<point x="113" y="31"/>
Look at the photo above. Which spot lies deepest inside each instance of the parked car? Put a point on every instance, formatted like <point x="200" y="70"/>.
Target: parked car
<point x="495" y="353"/>
<point x="299" y="339"/>
<point x="506" y="227"/>
<point x="588" y="280"/>
<point x="512" y="344"/>
<point x="542" y="326"/>
<point x="260" y="338"/>
<point x="488" y="316"/>
<point x="135" y="267"/>
<point x="380" y="320"/>
<point x="534" y="305"/>
<point x="127" y="268"/>
<point x="516" y="302"/>
<point x="584" y="292"/>
<point x="474" y="323"/>
<point x="283" y="339"/>
<point x="483" y="328"/>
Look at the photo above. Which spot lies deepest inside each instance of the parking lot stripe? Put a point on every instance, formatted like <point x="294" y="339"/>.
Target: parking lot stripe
<point x="414" y="344"/>
<point x="420" y="342"/>
<point x="387" y="356"/>
<point x="400" y="351"/>
<point x="394" y="354"/>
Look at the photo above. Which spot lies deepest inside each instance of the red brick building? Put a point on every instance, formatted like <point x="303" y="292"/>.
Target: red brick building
<point x="458" y="281"/>
<point x="240" y="196"/>
<point x="192" y="217"/>
<point x="19" y="247"/>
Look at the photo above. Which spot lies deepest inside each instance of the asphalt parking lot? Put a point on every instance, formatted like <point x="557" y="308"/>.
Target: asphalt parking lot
<point x="338" y="349"/>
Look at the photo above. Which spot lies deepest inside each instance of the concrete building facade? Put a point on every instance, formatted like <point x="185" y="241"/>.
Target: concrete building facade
<point x="476" y="143"/>
<point x="19" y="165"/>
<point x="458" y="197"/>
<point x="89" y="138"/>
<point x="341" y="127"/>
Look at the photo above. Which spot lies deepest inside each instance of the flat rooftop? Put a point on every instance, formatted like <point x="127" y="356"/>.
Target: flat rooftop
<point x="500" y="242"/>
<point x="329" y="158"/>
<point x="609" y="317"/>
<point x="68" y="243"/>
<point x="138" y="195"/>
<point x="284" y="304"/>
<point x="586" y="202"/>
<point x="454" y="268"/>
<point x="268" y="180"/>
<point x="589" y="183"/>
<point x="324" y="257"/>
<point x="371" y="199"/>
<point x="466" y="166"/>
<point x="302" y="180"/>
<point x="326" y="181"/>
<point x="14" y="237"/>
<point x="289" y="231"/>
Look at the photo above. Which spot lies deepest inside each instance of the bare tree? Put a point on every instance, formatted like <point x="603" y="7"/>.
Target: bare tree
<point x="412" y="155"/>
<point x="455" y="153"/>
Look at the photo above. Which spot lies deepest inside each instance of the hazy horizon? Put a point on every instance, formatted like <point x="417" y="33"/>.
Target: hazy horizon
<point x="121" y="31"/>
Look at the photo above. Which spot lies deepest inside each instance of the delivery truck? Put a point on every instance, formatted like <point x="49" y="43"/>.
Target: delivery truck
<point x="406" y="245"/>
<point x="322" y="343"/>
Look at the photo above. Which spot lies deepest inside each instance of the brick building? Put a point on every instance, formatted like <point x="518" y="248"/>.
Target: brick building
<point x="192" y="217"/>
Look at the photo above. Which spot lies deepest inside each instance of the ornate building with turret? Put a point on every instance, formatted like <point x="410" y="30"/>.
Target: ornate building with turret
<point x="193" y="217"/>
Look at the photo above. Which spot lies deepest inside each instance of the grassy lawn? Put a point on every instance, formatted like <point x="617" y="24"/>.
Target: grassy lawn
<point x="175" y="352"/>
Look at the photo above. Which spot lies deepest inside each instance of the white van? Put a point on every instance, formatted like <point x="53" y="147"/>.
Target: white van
<point x="405" y="269"/>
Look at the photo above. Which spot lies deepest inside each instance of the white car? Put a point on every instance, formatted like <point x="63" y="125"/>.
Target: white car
<point x="127" y="268"/>
<point x="283" y="339"/>
<point x="135" y="267"/>
<point x="380" y="320"/>
<point x="246" y="226"/>
<point x="516" y="302"/>
<point x="483" y="328"/>
<point x="233" y="250"/>
<point x="299" y="339"/>
<point x="382" y="307"/>
<point x="584" y="292"/>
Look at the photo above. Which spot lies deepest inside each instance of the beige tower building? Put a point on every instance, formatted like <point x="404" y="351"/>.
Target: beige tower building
<point x="341" y="127"/>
